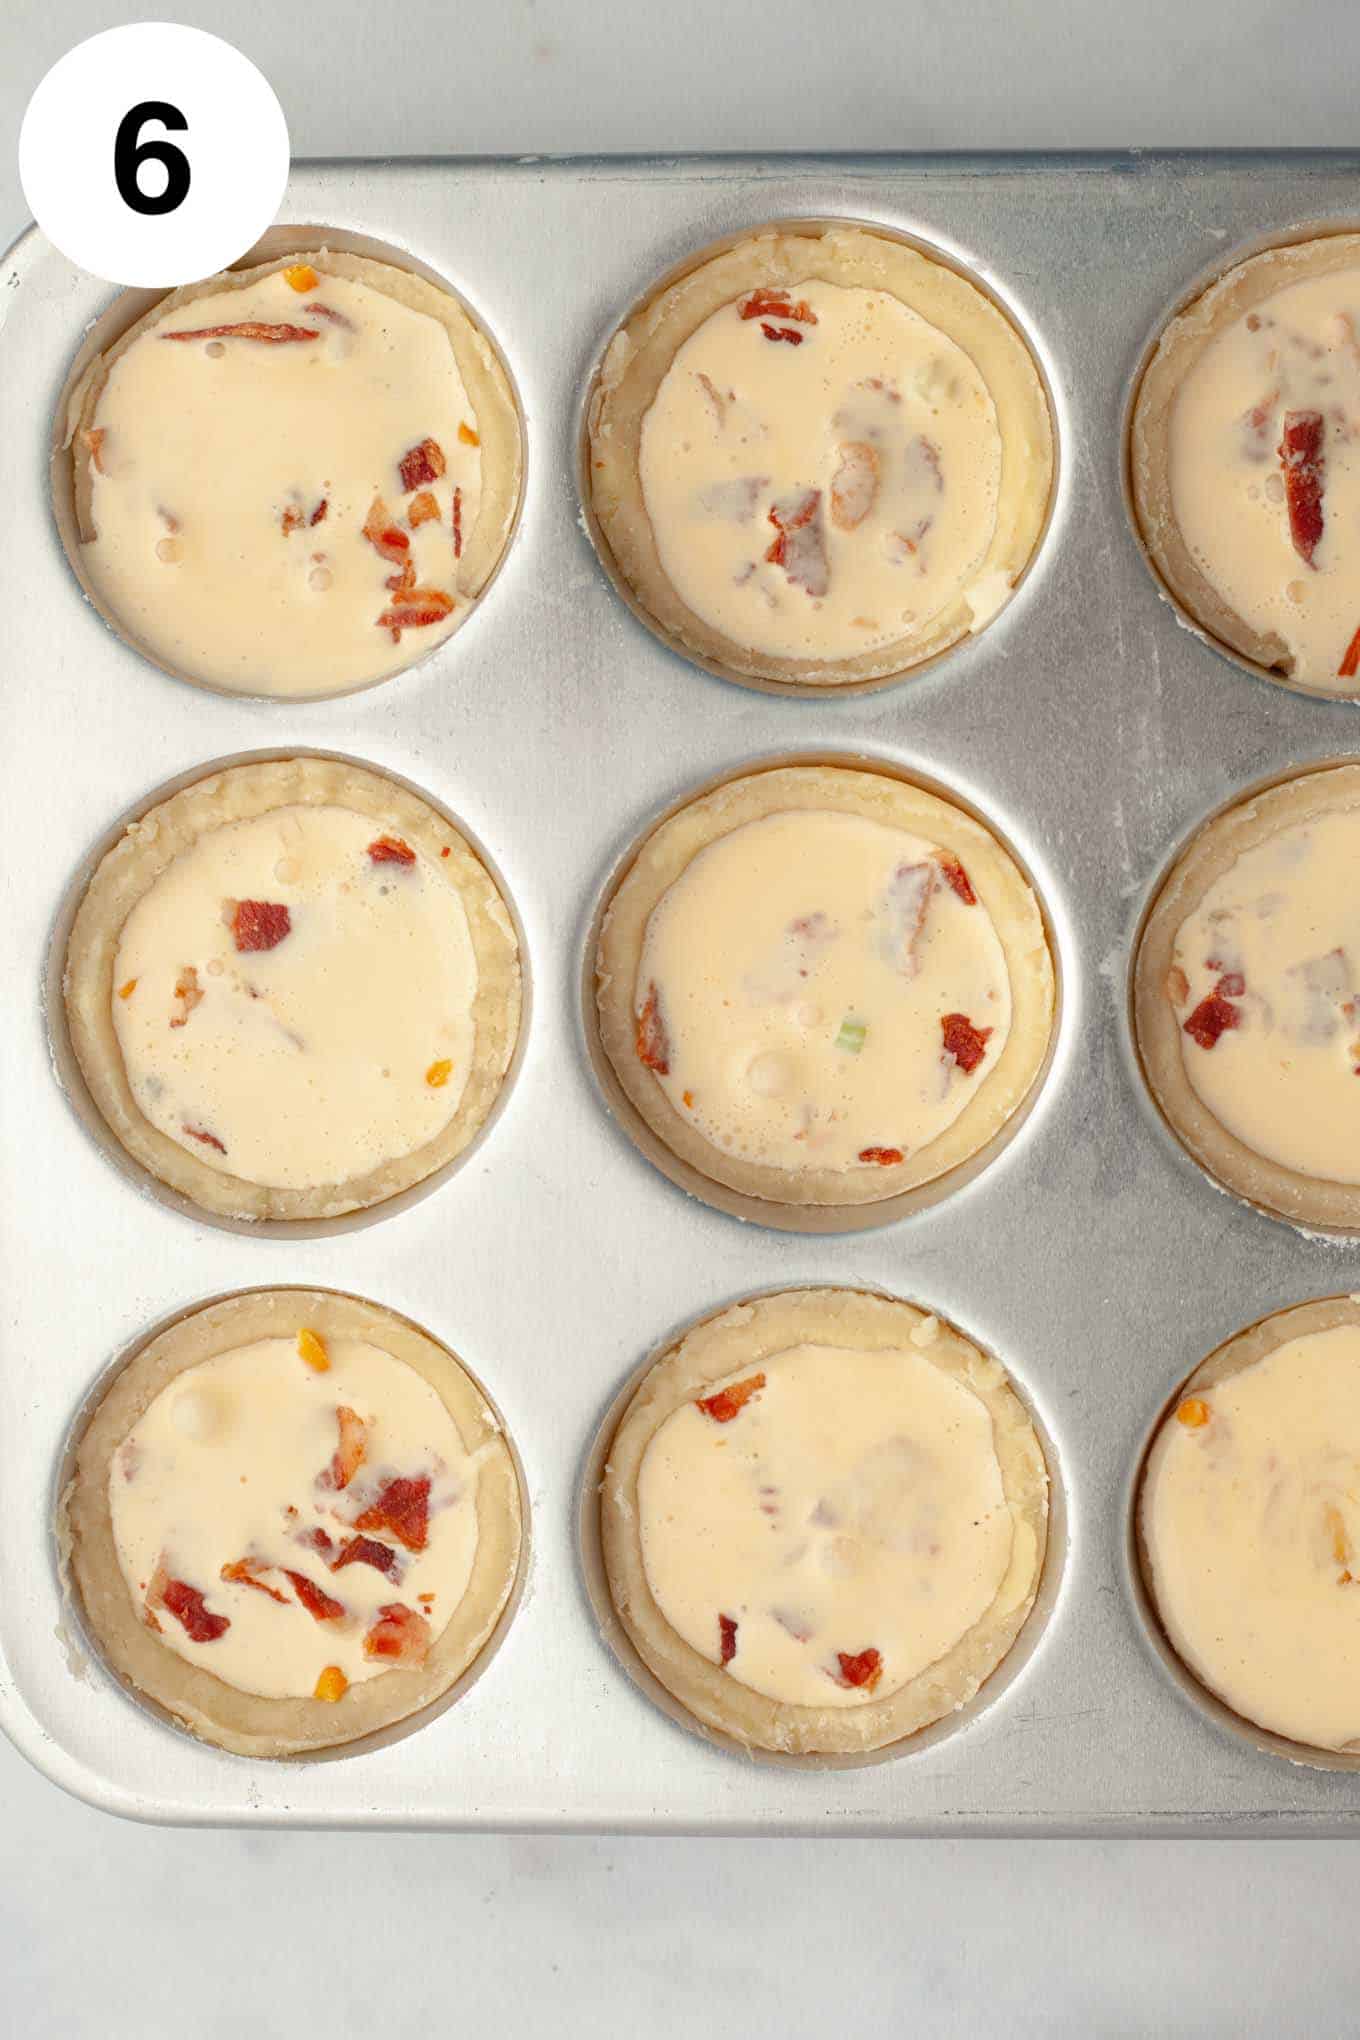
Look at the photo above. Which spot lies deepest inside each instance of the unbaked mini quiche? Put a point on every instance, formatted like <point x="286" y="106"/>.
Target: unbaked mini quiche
<point x="823" y="1518"/>
<point x="293" y="1519"/>
<point x="822" y="985"/>
<point x="818" y="458"/>
<point x="293" y="990"/>
<point x="294" y="479"/>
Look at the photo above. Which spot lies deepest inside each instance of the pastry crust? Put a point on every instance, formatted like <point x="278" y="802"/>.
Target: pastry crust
<point x="1243" y="1350"/>
<point x="1001" y="887"/>
<point x="643" y="349"/>
<point x="484" y="377"/>
<point x="248" y="1723"/>
<point x="741" y="1338"/>
<point x="1305" y="1200"/>
<point x="150" y="844"/>
<point x="1181" y="344"/>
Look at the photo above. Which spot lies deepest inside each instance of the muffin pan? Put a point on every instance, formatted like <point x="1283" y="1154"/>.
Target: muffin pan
<point x="1092" y="1255"/>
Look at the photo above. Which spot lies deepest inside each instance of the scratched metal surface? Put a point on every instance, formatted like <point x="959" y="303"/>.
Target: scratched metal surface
<point x="1093" y="1257"/>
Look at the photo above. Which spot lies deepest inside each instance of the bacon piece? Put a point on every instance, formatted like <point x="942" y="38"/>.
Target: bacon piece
<point x="403" y="1507"/>
<point x="348" y="1456"/>
<point x="1350" y="664"/>
<point x="185" y="1603"/>
<point x="955" y="876"/>
<point x="368" y="1551"/>
<point x="854" y="485"/>
<point x="422" y="464"/>
<point x="391" y="850"/>
<point x="316" y="1539"/>
<point x="1301" y="461"/>
<point x="653" y="1042"/>
<point x="319" y="1606"/>
<point x="419" y="607"/>
<point x="963" y="1041"/>
<point x="727" y="1639"/>
<point x="92" y="438"/>
<point x="789" y="333"/>
<point x="248" y="329"/>
<point x="907" y="903"/>
<point x="1212" y="1017"/>
<point x="424" y="510"/>
<point x="402" y="583"/>
<point x="861" y="1668"/>
<point x="260" y="924"/>
<point x="382" y="533"/>
<point x="329" y="312"/>
<point x="458" y="524"/>
<point x="767" y="302"/>
<point x="800" y="548"/>
<point x="291" y="519"/>
<point x="246" y="1573"/>
<point x="201" y="1133"/>
<point x="884" y="1157"/>
<point x="727" y="1403"/>
<point x="400" y="1634"/>
<point x="318" y="515"/>
<point x="187" y="992"/>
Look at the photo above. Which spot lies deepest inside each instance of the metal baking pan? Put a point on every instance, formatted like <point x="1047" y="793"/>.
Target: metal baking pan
<point x="1092" y="1256"/>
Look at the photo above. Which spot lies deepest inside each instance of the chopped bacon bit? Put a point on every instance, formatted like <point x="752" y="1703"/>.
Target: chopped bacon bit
<point x="1212" y="1017"/>
<point x="348" y="1456"/>
<point x="1177" y="985"/>
<point x="956" y="876"/>
<point x="424" y="510"/>
<point x="332" y="1685"/>
<point x="368" y="1551"/>
<point x="446" y="851"/>
<point x="930" y="454"/>
<point x="854" y="484"/>
<point x="966" y="1043"/>
<point x="864" y="1668"/>
<point x="321" y="1607"/>
<point x="185" y="1603"/>
<point x="458" y="524"/>
<point x="292" y="519"/>
<point x="315" y="1539"/>
<point x="727" y="1639"/>
<point x="1232" y="984"/>
<point x="653" y="1043"/>
<point x="1301" y="459"/>
<point x="381" y="532"/>
<point x="421" y="606"/>
<point x="800" y="548"/>
<point x="126" y="991"/>
<point x="437" y="1075"/>
<point x="187" y="992"/>
<point x="318" y="515"/>
<point x="789" y="333"/>
<point x="247" y="329"/>
<point x="403" y="1507"/>
<point x="727" y="1403"/>
<point x="208" y="1139"/>
<point x="1350" y="664"/>
<point x="467" y="436"/>
<point x="93" y="438"/>
<point x="300" y="276"/>
<point x="422" y="464"/>
<point x="246" y="1573"/>
<point x="391" y="850"/>
<point x="767" y="302"/>
<point x="1193" y="1413"/>
<point x="312" y="1348"/>
<point x="328" y="312"/>
<point x="404" y="582"/>
<point x="260" y="924"/>
<point x="399" y="1633"/>
<point x="884" y="1157"/>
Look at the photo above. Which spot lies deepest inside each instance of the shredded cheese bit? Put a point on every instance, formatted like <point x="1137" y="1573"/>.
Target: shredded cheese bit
<point x="437" y="1075"/>
<point x="332" y="1685"/>
<point x="312" y="1348"/>
<point x="126" y="991"/>
<point x="468" y="436"/>
<point x="301" y="277"/>
<point x="1193" y="1413"/>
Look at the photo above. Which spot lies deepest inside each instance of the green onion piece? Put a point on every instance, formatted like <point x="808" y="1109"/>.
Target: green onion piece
<point x="851" y="1036"/>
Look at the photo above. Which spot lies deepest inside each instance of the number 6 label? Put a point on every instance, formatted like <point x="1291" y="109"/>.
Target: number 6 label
<point x="154" y="154"/>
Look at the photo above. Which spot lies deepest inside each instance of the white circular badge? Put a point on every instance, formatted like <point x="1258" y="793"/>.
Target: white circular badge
<point x="154" y="154"/>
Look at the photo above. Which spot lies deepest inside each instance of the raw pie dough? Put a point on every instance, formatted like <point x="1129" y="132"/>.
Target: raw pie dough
<point x="293" y="990"/>
<point x="1249" y="1523"/>
<point x="1245" y="469"/>
<point x="350" y="1478"/>
<point x="824" y="1517"/>
<point x="1246" y="991"/>
<point x="821" y="985"/>
<point x="308" y="504"/>
<point x="819" y="457"/>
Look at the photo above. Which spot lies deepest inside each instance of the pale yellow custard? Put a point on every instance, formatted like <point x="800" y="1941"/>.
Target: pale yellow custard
<point x="827" y="1525"/>
<point x="285" y="1508"/>
<point x="293" y="998"/>
<point x="822" y="479"/>
<point x="1264" y="467"/>
<point x="819" y="990"/>
<point x="1264" y="984"/>
<point x="1250" y="1521"/>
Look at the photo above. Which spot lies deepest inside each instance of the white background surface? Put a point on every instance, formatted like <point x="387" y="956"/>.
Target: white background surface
<point x="125" y="1932"/>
